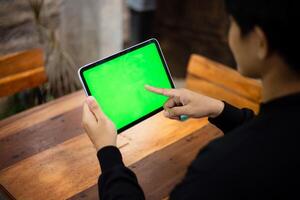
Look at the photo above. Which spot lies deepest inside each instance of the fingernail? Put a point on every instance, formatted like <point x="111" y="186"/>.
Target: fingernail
<point x="90" y="100"/>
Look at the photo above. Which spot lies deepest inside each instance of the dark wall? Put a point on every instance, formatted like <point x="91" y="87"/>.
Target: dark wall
<point x="192" y="26"/>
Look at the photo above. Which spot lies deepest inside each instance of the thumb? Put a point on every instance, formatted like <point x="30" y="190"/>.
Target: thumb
<point x="94" y="107"/>
<point x="177" y="111"/>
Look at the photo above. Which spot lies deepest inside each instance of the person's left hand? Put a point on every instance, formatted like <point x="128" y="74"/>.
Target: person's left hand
<point x="100" y="129"/>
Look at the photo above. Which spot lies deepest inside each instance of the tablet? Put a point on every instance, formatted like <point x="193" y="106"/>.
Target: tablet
<point x="117" y="83"/>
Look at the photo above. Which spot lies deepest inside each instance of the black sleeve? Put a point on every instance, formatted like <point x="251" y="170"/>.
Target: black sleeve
<point x="231" y="117"/>
<point x="116" y="181"/>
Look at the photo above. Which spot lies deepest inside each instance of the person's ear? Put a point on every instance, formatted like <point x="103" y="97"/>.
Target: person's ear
<point x="261" y="43"/>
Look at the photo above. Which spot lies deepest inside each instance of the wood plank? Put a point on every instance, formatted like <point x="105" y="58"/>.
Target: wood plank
<point x="89" y="193"/>
<point x="40" y="113"/>
<point x="71" y="167"/>
<point x="168" y="165"/>
<point x="202" y="86"/>
<point x="32" y="178"/>
<point x="226" y="77"/>
<point x="40" y="137"/>
<point x="20" y="62"/>
<point x="18" y="82"/>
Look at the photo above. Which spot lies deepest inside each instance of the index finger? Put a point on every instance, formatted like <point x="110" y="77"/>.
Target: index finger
<point x="163" y="91"/>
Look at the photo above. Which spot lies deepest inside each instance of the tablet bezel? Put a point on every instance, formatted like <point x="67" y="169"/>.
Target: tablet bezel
<point x="135" y="47"/>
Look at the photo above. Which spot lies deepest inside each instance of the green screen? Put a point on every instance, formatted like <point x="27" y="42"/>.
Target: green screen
<point x="118" y="84"/>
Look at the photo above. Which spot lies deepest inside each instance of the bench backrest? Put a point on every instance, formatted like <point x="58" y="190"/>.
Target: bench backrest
<point x="21" y="70"/>
<point x="219" y="81"/>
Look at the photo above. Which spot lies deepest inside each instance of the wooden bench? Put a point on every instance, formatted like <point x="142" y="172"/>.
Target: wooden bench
<point x="21" y="70"/>
<point x="219" y="81"/>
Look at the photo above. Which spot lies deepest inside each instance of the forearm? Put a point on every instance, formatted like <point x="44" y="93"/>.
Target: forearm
<point x="116" y="180"/>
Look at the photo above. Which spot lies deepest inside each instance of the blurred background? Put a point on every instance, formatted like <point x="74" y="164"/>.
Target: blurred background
<point x="59" y="36"/>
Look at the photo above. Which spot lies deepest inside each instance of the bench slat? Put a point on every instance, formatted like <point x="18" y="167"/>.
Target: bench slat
<point x="21" y="81"/>
<point x="20" y="62"/>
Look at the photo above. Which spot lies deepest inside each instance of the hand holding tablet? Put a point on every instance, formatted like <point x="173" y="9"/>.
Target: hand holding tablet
<point x="100" y="129"/>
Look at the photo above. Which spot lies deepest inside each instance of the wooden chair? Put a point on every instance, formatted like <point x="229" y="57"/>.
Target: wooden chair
<point x="21" y="70"/>
<point x="219" y="81"/>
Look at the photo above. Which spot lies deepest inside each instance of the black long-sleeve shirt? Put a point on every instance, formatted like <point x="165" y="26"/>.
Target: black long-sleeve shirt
<point x="258" y="158"/>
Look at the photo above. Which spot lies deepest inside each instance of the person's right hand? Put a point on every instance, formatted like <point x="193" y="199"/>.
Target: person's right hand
<point x="185" y="102"/>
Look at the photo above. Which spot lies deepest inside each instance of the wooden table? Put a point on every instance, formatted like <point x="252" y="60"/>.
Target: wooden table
<point x="45" y="154"/>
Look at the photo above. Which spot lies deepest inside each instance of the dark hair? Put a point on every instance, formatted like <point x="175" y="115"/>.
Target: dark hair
<point x="279" y="19"/>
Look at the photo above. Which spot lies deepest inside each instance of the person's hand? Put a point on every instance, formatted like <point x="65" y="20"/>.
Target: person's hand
<point x="189" y="103"/>
<point x="100" y="129"/>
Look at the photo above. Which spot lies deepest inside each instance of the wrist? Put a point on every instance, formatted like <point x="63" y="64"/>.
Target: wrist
<point x="101" y="146"/>
<point x="218" y="107"/>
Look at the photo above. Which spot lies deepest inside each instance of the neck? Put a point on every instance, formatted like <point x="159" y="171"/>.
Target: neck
<point x="280" y="81"/>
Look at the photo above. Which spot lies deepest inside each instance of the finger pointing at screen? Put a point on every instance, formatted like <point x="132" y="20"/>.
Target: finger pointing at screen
<point x="162" y="91"/>
<point x="183" y="103"/>
<point x="174" y="107"/>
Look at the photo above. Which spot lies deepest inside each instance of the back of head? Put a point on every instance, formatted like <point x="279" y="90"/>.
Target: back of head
<point x="277" y="18"/>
